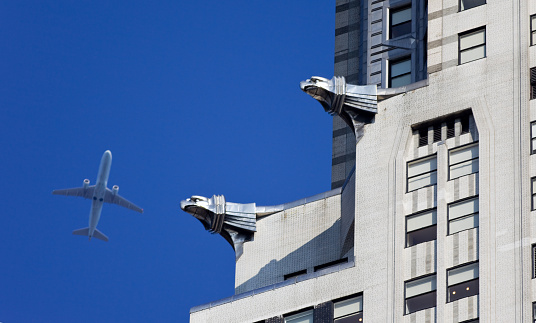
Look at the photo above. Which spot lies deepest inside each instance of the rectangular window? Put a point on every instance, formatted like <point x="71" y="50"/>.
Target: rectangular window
<point x="400" y="22"/>
<point x="400" y="72"/>
<point x="534" y="312"/>
<point x="463" y="215"/>
<point x="533" y="192"/>
<point x="302" y="317"/>
<point x="420" y="293"/>
<point x="534" y="261"/>
<point x="533" y="30"/>
<point x="463" y="161"/>
<point x="468" y="4"/>
<point x="533" y="137"/>
<point x="533" y="83"/>
<point x="348" y="310"/>
<point x="421" y="227"/>
<point x="472" y="45"/>
<point x="421" y="173"/>
<point x="462" y="282"/>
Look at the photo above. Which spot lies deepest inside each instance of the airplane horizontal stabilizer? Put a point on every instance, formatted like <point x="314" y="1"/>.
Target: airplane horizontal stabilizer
<point x="81" y="232"/>
<point x="99" y="235"/>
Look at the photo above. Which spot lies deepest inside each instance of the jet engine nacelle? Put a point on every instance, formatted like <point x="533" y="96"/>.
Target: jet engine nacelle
<point x="86" y="183"/>
<point x="115" y="188"/>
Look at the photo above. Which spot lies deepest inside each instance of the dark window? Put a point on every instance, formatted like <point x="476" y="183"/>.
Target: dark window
<point x="400" y="72"/>
<point x="534" y="261"/>
<point x="534" y="312"/>
<point x="462" y="282"/>
<point x="472" y="45"/>
<point x="420" y="293"/>
<point x="533" y="192"/>
<point x="423" y="136"/>
<point x="331" y="263"/>
<point x="468" y="4"/>
<point x="400" y="22"/>
<point x="437" y="132"/>
<point x="471" y="321"/>
<point x="464" y="120"/>
<point x="533" y="83"/>
<point x="533" y="30"/>
<point x="421" y="227"/>
<point x="533" y="137"/>
<point x="295" y="274"/>
<point x="450" y="129"/>
<point x="348" y="310"/>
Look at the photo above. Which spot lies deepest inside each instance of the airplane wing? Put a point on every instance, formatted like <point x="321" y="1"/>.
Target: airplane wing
<point x="77" y="191"/>
<point x="110" y="197"/>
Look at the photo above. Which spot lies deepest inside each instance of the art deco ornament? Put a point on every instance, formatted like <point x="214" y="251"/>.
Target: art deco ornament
<point x="355" y="104"/>
<point x="233" y="221"/>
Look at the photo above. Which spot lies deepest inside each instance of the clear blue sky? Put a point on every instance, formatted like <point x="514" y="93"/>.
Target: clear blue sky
<point x="192" y="98"/>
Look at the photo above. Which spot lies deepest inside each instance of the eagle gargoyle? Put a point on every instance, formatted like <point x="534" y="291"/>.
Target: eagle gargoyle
<point x="235" y="222"/>
<point x="355" y="104"/>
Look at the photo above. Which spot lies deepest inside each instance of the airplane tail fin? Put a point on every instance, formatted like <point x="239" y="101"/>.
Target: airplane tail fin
<point x="81" y="232"/>
<point x="99" y="235"/>
<point x="85" y="232"/>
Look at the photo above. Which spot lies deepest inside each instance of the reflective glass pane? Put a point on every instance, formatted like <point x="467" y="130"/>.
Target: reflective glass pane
<point x="400" y="16"/>
<point x="422" y="181"/>
<point x="533" y="129"/>
<point x="401" y="80"/>
<point x="421" y="235"/>
<point x="463" y="208"/>
<point x="422" y="166"/>
<point x="464" y="223"/>
<point x="304" y="317"/>
<point x="401" y="67"/>
<point x="420" y="286"/>
<point x="461" y="274"/>
<point x="468" y="4"/>
<point x="472" y="54"/>
<point x="421" y="220"/>
<point x="473" y="39"/>
<point x="534" y="185"/>
<point x="400" y="30"/>
<point x="420" y="302"/>
<point x="348" y="306"/>
<point x="466" y="153"/>
<point x="464" y="168"/>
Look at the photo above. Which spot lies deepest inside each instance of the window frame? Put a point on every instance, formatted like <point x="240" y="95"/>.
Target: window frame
<point x="475" y="197"/>
<point x="298" y="314"/>
<point x="533" y="257"/>
<point x="460" y="6"/>
<point x="434" y="291"/>
<point x="466" y="33"/>
<point x="532" y="30"/>
<point x="532" y="82"/>
<point x="390" y="69"/>
<point x="474" y="143"/>
<point x="532" y="193"/>
<point x="532" y="138"/>
<point x="358" y="314"/>
<point x="432" y="156"/>
<point x="467" y="264"/>
<point x="421" y="228"/>
<point x="399" y="9"/>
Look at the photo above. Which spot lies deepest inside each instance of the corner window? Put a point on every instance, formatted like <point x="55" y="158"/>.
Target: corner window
<point x="533" y="137"/>
<point x="302" y="317"/>
<point x="348" y="310"/>
<point x="421" y="173"/>
<point x="400" y="72"/>
<point x="468" y="4"/>
<point x="400" y="22"/>
<point x="533" y="83"/>
<point x="462" y="282"/>
<point x="421" y="227"/>
<point x="533" y="30"/>
<point x="463" y="215"/>
<point x="533" y="192"/>
<point x="472" y="45"/>
<point x="420" y="293"/>
<point x="463" y="161"/>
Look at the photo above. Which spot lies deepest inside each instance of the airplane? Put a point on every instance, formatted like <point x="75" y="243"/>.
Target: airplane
<point x="99" y="194"/>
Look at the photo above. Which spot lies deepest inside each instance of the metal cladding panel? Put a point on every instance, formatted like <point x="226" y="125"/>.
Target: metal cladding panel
<point x="323" y="313"/>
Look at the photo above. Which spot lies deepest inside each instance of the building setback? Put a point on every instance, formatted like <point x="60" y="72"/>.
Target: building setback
<point x="433" y="178"/>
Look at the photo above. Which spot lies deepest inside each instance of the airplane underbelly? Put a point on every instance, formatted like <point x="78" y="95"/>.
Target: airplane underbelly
<point x="95" y="213"/>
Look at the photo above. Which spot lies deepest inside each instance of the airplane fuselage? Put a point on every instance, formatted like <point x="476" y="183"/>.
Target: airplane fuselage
<point x="100" y="190"/>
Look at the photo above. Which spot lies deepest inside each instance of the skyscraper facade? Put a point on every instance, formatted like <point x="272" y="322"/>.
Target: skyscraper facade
<point x="429" y="218"/>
